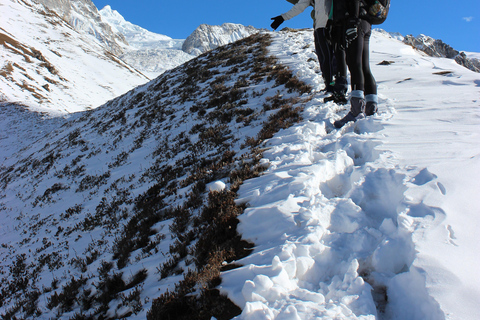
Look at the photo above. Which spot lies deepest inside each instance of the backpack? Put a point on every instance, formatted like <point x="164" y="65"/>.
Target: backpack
<point x="376" y="11"/>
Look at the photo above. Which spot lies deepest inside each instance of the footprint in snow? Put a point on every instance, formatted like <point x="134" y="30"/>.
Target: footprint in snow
<point x="442" y="188"/>
<point x="423" y="177"/>
<point x="451" y="236"/>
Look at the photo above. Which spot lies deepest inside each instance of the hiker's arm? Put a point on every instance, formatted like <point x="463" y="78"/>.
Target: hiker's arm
<point x="296" y="9"/>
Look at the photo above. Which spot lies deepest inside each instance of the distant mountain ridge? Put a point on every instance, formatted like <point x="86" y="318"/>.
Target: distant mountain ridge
<point x="154" y="53"/>
<point x="150" y="52"/>
<point x="437" y="48"/>
<point x="136" y="36"/>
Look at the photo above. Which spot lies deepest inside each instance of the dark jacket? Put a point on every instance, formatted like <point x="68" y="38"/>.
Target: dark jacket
<point x="347" y="9"/>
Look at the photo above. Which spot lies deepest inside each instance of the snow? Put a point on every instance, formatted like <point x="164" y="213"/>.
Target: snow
<point x="136" y="36"/>
<point x="376" y="220"/>
<point x="473" y="55"/>
<point x="149" y="52"/>
<point x="208" y="37"/>
<point x="53" y="67"/>
<point x="388" y="203"/>
<point x="216" y="186"/>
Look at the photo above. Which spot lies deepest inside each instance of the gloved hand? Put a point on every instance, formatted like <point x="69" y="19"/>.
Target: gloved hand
<point x="277" y="21"/>
<point x="352" y="31"/>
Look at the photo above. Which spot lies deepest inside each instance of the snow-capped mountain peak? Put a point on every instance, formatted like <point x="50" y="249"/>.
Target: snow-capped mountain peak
<point x="137" y="37"/>
<point x="153" y="53"/>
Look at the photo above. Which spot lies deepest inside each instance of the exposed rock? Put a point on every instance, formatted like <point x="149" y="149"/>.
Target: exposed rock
<point x="437" y="48"/>
<point x="207" y="37"/>
<point x="82" y="15"/>
<point x="469" y="63"/>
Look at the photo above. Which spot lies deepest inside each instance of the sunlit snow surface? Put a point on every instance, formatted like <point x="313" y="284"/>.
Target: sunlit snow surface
<point x="388" y="204"/>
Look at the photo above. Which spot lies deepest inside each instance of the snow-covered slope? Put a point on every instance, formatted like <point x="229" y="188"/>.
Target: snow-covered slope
<point x="120" y="191"/>
<point x="376" y="220"/>
<point x="47" y="65"/>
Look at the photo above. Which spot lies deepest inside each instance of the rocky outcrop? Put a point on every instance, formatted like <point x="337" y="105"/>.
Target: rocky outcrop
<point x="207" y="37"/>
<point x="83" y="16"/>
<point x="469" y="63"/>
<point x="437" y="48"/>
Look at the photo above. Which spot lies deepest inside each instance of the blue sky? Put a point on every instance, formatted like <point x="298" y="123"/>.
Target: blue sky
<point x="456" y="22"/>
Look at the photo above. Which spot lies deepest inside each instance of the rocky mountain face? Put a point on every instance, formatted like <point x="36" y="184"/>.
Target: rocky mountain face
<point x="46" y="64"/>
<point x="207" y="37"/>
<point x="83" y="15"/>
<point x="437" y="48"/>
<point x="469" y="63"/>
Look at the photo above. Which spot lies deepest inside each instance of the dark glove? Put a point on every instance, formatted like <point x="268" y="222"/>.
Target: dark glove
<point x="277" y="21"/>
<point x="352" y="31"/>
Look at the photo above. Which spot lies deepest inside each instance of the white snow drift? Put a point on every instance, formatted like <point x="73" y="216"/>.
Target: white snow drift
<point x="378" y="219"/>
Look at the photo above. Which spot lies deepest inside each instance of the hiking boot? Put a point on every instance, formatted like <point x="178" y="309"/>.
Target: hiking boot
<point x="337" y="97"/>
<point x="357" y="105"/>
<point x="371" y="104"/>
<point x="370" y="108"/>
<point x="328" y="89"/>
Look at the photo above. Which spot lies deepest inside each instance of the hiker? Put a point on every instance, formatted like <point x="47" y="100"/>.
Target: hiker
<point x="335" y="36"/>
<point x="322" y="48"/>
<point x="364" y="99"/>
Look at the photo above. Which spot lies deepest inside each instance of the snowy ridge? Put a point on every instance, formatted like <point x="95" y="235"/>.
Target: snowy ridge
<point x="136" y="36"/>
<point x="345" y="226"/>
<point x="437" y="48"/>
<point x="51" y="67"/>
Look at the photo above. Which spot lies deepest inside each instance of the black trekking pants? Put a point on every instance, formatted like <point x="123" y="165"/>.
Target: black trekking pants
<point x="325" y="55"/>
<point x="338" y="43"/>
<point x="358" y="60"/>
